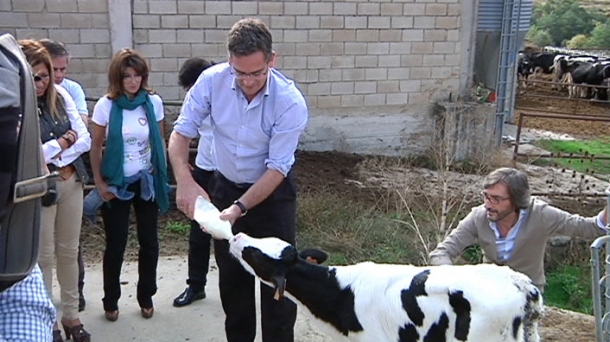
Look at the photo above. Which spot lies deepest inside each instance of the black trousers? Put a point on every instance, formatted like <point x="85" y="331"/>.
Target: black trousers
<point x="199" y="241"/>
<point x="115" y="215"/>
<point x="81" y="270"/>
<point x="276" y="216"/>
<point x="81" y="262"/>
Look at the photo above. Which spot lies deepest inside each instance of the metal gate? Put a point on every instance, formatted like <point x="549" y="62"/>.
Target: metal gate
<point x="600" y="284"/>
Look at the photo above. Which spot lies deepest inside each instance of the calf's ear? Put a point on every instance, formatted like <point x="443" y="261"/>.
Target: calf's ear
<point x="314" y="255"/>
<point x="279" y="284"/>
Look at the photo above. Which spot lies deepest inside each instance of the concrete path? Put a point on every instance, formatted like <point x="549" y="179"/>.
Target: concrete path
<point x="201" y="321"/>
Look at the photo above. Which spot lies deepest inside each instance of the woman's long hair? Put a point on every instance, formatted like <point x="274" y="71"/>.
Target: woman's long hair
<point x="122" y="60"/>
<point x="35" y="53"/>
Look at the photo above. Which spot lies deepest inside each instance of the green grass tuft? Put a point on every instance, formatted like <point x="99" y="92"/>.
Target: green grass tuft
<point x="177" y="227"/>
<point x="588" y="148"/>
<point x="569" y="287"/>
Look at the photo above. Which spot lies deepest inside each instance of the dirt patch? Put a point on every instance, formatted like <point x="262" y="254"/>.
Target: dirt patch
<point x="566" y="326"/>
<point x="529" y="101"/>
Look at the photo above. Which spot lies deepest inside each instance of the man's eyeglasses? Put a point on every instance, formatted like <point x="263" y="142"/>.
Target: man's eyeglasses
<point x="242" y="75"/>
<point x="40" y="78"/>
<point x="493" y="199"/>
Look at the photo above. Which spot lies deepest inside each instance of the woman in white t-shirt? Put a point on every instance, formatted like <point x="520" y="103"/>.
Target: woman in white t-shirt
<point x="131" y="172"/>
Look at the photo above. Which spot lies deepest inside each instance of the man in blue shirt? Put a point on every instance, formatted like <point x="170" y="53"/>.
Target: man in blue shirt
<point x="257" y="116"/>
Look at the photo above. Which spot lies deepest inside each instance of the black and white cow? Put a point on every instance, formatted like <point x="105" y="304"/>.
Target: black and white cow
<point x="524" y="68"/>
<point x="562" y="65"/>
<point x="542" y="62"/>
<point x="382" y="302"/>
<point x="591" y="74"/>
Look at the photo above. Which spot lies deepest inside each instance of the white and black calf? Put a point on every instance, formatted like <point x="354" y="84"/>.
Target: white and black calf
<point x="592" y="75"/>
<point x="382" y="302"/>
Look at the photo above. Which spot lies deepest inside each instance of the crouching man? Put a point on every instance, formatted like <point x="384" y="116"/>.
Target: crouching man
<point x="512" y="228"/>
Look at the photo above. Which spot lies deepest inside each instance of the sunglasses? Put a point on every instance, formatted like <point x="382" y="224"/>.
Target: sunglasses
<point x="40" y="78"/>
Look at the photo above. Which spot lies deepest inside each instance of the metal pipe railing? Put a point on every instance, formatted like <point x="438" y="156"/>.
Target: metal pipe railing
<point x="600" y="311"/>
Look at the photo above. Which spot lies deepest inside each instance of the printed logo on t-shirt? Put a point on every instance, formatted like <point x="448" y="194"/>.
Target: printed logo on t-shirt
<point x="131" y="141"/>
<point x="143" y="121"/>
<point x="144" y="151"/>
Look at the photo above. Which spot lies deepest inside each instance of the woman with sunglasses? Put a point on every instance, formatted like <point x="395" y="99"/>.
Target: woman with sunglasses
<point x="132" y="171"/>
<point x="65" y="138"/>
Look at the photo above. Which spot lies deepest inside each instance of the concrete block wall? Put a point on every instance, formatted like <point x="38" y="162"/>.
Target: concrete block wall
<point x="358" y="62"/>
<point x="82" y="25"/>
<point x="341" y="53"/>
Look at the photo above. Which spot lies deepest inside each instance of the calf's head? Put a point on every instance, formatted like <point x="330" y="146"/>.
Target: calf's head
<point x="267" y="258"/>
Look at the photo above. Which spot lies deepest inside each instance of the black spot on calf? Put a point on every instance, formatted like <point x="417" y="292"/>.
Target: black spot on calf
<point x="318" y="289"/>
<point x="408" y="333"/>
<point x="461" y="307"/>
<point x="438" y="330"/>
<point x="409" y="297"/>
<point x="516" y="326"/>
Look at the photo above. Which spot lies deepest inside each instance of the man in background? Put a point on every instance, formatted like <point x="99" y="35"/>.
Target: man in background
<point x="202" y="172"/>
<point x="60" y="59"/>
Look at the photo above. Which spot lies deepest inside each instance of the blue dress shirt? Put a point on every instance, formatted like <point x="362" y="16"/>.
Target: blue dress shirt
<point x="249" y="137"/>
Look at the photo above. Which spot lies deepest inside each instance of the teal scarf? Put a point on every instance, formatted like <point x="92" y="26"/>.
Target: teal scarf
<point x="112" y="163"/>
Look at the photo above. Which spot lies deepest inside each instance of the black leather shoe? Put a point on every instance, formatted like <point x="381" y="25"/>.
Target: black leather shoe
<point x="81" y="303"/>
<point x="188" y="296"/>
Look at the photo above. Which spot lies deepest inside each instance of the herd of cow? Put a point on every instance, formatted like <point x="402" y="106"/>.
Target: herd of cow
<point x="582" y="75"/>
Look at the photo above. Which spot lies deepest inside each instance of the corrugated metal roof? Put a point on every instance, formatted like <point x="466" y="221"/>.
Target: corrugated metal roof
<point x="490" y="14"/>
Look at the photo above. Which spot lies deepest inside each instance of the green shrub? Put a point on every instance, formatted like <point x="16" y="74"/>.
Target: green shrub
<point x="569" y="287"/>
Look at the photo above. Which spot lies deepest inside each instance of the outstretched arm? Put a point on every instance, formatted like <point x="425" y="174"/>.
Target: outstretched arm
<point x="453" y="245"/>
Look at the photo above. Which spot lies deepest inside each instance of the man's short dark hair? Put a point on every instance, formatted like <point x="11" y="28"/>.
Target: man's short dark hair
<point x="248" y="36"/>
<point x="55" y="49"/>
<point x="190" y="71"/>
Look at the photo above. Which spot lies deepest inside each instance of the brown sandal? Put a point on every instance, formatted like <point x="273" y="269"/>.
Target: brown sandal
<point x="57" y="336"/>
<point x="112" y="316"/>
<point x="77" y="333"/>
<point x="147" y="312"/>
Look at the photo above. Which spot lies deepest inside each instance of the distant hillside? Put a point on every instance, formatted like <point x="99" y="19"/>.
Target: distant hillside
<point x="602" y="5"/>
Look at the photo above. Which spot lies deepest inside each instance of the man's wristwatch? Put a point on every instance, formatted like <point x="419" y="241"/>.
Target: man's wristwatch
<point x="242" y="207"/>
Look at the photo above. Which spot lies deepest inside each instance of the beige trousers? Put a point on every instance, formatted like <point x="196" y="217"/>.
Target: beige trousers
<point x="59" y="239"/>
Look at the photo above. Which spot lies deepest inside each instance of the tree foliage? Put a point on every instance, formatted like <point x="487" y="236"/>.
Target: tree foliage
<point x="539" y="37"/>
<point x="600" y="37"/>
<point x="579" y="41"/>
<point x="564" y="19"/>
